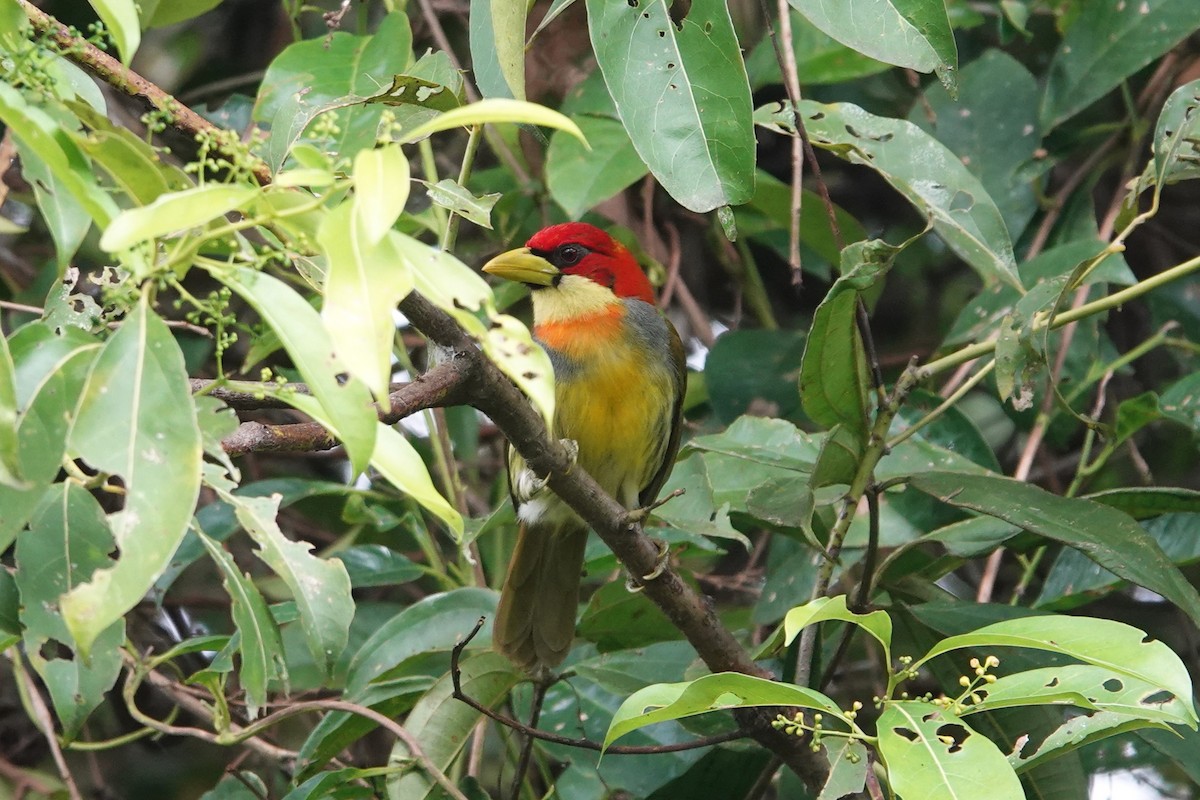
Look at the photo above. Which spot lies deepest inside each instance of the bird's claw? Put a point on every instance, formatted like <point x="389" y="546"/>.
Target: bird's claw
<point x="660" y="566"/>
<point x="572" y="448"/>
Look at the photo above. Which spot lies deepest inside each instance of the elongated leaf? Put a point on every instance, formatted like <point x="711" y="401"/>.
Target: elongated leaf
<point x="397" y="461"/>
<point x="136" y="420"/>
<point x="10" y="467"/>
<point x="121" y="19"/>
<point x="497" y="39"/>
<point x="1075" y="733"/>
<point x="1177" y="136"/>
<point x="455" y="197"/>
<point x="173" y="212"/>
<point x="1119" y="648"/>
<point x="364" y="282"/>
<point x="259" y="643"/>
<point x="722" y="691"/>
<point x="928" y="174"/>
<point x="65" y="216"/>
<point x="907" y="33"/>
<point x="876" y="623"/>
<point x="834" y="384"/>
<point x="1074" y="579"/>
<point x="1107" y="44"/>
<point x="320" y="586"/>
<point x="1103" y="534"/>
<point x="37" y="133"/>
<point x="993" y="128"/>
<point x="67" y="540"/>
<point x="380" y="189"/>
<point x="933" y="755"/>
<point x="1085" y="686"/>
<point x="347" y="406"/>
<point x="492" y="111"/>
<point x="443" y="724"/>
<point x="684" y="99"/>
<point x="437" y="622"/>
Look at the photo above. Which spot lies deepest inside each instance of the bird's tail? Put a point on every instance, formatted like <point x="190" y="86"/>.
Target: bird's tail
<point x="535" y="622"/>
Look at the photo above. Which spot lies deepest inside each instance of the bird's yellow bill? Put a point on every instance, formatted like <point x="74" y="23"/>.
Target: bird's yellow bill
<point x="522" y="266"/>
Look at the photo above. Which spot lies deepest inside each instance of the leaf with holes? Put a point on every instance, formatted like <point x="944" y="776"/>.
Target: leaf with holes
<point x="932" y="755"/>
<point x="681" y="91"/>
<point x="928" y="174"/>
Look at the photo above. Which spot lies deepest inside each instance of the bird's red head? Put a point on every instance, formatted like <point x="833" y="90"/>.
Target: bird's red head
<point x="577" y="248"/>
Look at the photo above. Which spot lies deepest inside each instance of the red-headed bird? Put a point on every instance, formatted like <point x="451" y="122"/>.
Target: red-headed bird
<point x="619" y="379"/>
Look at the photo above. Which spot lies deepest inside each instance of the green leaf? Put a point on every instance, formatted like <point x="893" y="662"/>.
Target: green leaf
<point x="397" y="461"/>
<point x="684" y="98"/>
<point x="696" y="511"/>
<point x="754" y="371"/>
<point x="834" y="383"/>
<point x="66" y="218"/>
<point x="1177" y="136"/>
<point x="511" y="347"/>
<point x="928" y="174"/>
<point x="67" y="540"/>
<point x="37" y="133"/>
<point x="50" y="372"/>
<point x="1085" y="686"/>
<point x="1103" y="534"/>
<point x="136" y="420"/>
<point x="169" y="12"/>
<point x="457" y="198"/>
<point x="346" y="407"/>
<point x="1108" y="44"/>
<point x="497" y="40"/>
<point x="1181" y="401"/>
<point x="932" y="755"/>
<point x="848" y="764"/>
<point x="1074" y="579"/>
<point x="876" y="623"/>
<point x="437" y="622"/>
<point x="377" y="565"/>
<point x="725" y="690"/>
<point x="327" y="74"/>
<point x="1119" y="648"/>
<point x="259" y="643"/>
<point x="1142" y="502"/>
<point x="820" y="59"/>
<point x="763" y="440"/>
<point x="580" y="179"/>
<point x="617" y="619"/>
<point x="442" y="724"/>
<point x="993" y="128"/>
<point x="10" y="466"/>
<point x="380" y="189"/>
<point x="907" y="33"/>
<point x="365" y="280"/>
<point x="1074" y="734"/>
<point x="320" y="587"/>
<point x="492" y="111"/>
<point x="174" y="212"/>
<point x="121" y="19"/>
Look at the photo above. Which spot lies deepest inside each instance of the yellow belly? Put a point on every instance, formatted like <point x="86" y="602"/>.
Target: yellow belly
<point x="620" y="417"/>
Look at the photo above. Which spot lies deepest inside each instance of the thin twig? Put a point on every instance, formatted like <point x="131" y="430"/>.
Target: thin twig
<point x="45" y="722"/>
<point x="125" y="80"/>
<point x="582" y="743"/>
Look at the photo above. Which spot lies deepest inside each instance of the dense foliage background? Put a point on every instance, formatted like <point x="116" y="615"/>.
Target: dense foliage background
<point x="944" y="385"/>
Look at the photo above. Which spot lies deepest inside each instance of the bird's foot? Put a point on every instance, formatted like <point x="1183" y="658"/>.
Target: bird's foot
<point x="572" y="448"/>
<point x="529" y="484"/>
<point x="660" y="566"/>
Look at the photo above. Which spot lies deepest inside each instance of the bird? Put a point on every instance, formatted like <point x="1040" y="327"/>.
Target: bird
<point x="620" y="376"/>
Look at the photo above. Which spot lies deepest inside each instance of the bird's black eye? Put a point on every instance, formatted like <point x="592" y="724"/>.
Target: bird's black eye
<point x="567" y="255"/>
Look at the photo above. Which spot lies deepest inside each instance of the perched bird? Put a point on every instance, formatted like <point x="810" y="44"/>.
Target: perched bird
<point x="619" y="380"/>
